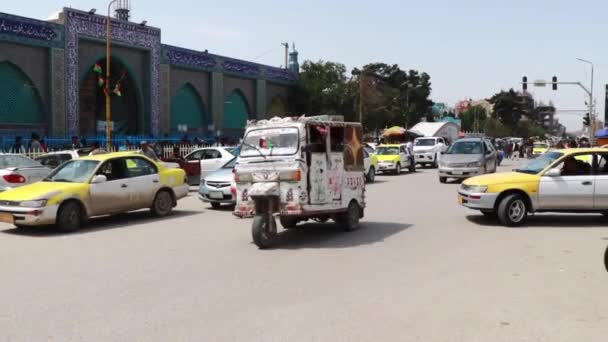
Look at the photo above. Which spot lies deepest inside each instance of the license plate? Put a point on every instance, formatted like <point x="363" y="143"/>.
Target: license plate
<point x="459" y="200"/>
<point x="216" y="195"/>
<point x="8" y="218"/>
<point x="457" y="172"/>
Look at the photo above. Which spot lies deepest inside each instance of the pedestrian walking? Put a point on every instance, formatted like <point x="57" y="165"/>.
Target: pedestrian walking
<point x="147" y="150"/>
<point x="508" y="150"/>
<point x="17" y="146"/>
<point x="75" y="143"/>
<point x="34" y="145"/>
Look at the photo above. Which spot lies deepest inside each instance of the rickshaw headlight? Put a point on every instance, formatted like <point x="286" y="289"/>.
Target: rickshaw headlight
<point x="294" y="175"/>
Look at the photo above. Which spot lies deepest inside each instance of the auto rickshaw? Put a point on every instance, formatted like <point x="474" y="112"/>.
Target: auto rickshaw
<point x="299" y="169"/>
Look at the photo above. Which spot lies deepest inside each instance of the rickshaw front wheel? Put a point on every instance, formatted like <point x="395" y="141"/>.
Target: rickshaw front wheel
<point x="264" y="230"/>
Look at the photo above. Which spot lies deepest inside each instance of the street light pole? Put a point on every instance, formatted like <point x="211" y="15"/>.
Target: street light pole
<point x="591" y="105"/>
<point x="107" y="84"/>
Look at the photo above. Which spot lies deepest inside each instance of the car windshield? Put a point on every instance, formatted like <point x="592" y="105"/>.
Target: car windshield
<point x="75" y="171"/>
<point x="465" y="147"/>
<point x="387" y="150"/>
<point x="537" y="165"/>
<point x="14" y="160"/>
<point x="424" y="142"/>
<point x="271" y="142"/>
<point x="231" y="150"/>
<point x="230" y="165"/>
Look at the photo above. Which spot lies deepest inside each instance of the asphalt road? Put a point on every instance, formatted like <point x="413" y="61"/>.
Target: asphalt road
<point x="420" y="269"/>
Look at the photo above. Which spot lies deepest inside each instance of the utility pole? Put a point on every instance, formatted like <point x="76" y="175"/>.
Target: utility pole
<point x="286" y="46"/>
<point x="591" y="104"/>
<point x="107" y="85"/>
<point x="361" y="97"/>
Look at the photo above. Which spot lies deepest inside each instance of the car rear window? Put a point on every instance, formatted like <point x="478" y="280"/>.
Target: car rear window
<point x="9" y="161"/>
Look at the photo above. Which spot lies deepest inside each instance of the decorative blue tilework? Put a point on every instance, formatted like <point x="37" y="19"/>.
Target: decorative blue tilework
<point x="81" y="24"/>
<point x="30" y="31"/>
<point x="240" y="67"/>
<point x="188" y="58"/>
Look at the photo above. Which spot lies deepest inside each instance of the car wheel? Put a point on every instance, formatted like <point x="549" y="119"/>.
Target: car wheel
<point x="443" y="180"/>
<point x="512" y="210"/>
<point x="69" y="217"/>
<point x="606" y="259"/>
<point x="215" y="205"/>
<point x="398" y="169"/>
<point x="163" y="204"/>
<point x="371" y="175"/>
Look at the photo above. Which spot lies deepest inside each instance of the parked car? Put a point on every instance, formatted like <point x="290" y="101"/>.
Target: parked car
<point x="219" y="187"/>
<point x="371" y="165"/>
<point x="201" y="162"/>
<point x="98" y="185"/>
<point x="571" y="180"/>
<point x="393" y="158"/>
<point x="467" y="158"/>
<point x="427" y="150"/>
<point x="18" y="170"/>
<point x="54" y="159"/>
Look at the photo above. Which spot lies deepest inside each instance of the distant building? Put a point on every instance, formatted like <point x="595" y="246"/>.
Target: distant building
<point x="466" y="104"/>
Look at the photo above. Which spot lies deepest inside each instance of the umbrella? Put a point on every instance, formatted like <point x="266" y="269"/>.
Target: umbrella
<point x="394" y="131"/>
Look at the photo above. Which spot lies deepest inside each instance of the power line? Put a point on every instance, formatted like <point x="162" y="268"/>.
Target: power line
<point x="264" y="54"/>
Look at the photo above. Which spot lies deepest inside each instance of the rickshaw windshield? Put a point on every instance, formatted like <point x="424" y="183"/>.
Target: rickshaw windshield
<point x="282" y="141"/>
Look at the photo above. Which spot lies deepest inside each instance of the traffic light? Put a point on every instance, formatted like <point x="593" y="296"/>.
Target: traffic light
<point x="554" y="82"/>
<point x="586" y="120"/>
<point x="524" y="83"/>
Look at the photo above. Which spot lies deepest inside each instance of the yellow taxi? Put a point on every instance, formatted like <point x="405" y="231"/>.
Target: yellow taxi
<point x="539" y="148"/>
<point x="393" y="158"/>
<point x="103" y="184"/>
<point x="570" y="180"/>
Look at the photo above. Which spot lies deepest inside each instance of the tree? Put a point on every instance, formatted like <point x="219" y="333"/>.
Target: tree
<point x="473" y="119"/>
<point x="322" y="89"/>
<point x="380" y="94"/>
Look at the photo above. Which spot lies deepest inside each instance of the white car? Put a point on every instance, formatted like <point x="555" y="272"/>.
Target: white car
<point x="427" y="150"/>
<point x="17" y="170"/>
<point x="202" y="162"/>
<point x="54" y="159"/>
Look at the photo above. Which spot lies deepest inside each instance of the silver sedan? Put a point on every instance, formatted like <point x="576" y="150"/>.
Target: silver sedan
<point x="467" y="158"/>
<point x="218" y="188"/>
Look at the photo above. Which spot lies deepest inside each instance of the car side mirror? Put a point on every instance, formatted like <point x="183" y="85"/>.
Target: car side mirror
<point x="554" y="172"/>
<point x="99" y="179"/>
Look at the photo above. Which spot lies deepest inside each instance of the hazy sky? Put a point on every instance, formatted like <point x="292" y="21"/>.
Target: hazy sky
<point x="471" y="48"/>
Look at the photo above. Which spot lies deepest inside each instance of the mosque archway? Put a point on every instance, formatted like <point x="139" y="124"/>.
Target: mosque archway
<point x="20" y="102"/>
<point x="277" y="107"/>
<point x="188" y="109"/>
<point x="126" y="102"/>
<point x="236" y="113"/>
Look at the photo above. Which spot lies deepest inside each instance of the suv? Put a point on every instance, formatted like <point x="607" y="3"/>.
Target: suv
<point x="427" y="150"/>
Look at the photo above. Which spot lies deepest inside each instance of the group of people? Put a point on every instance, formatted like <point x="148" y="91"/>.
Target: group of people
<point x="36" y="144"/>
<point x="514" y="150"/>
